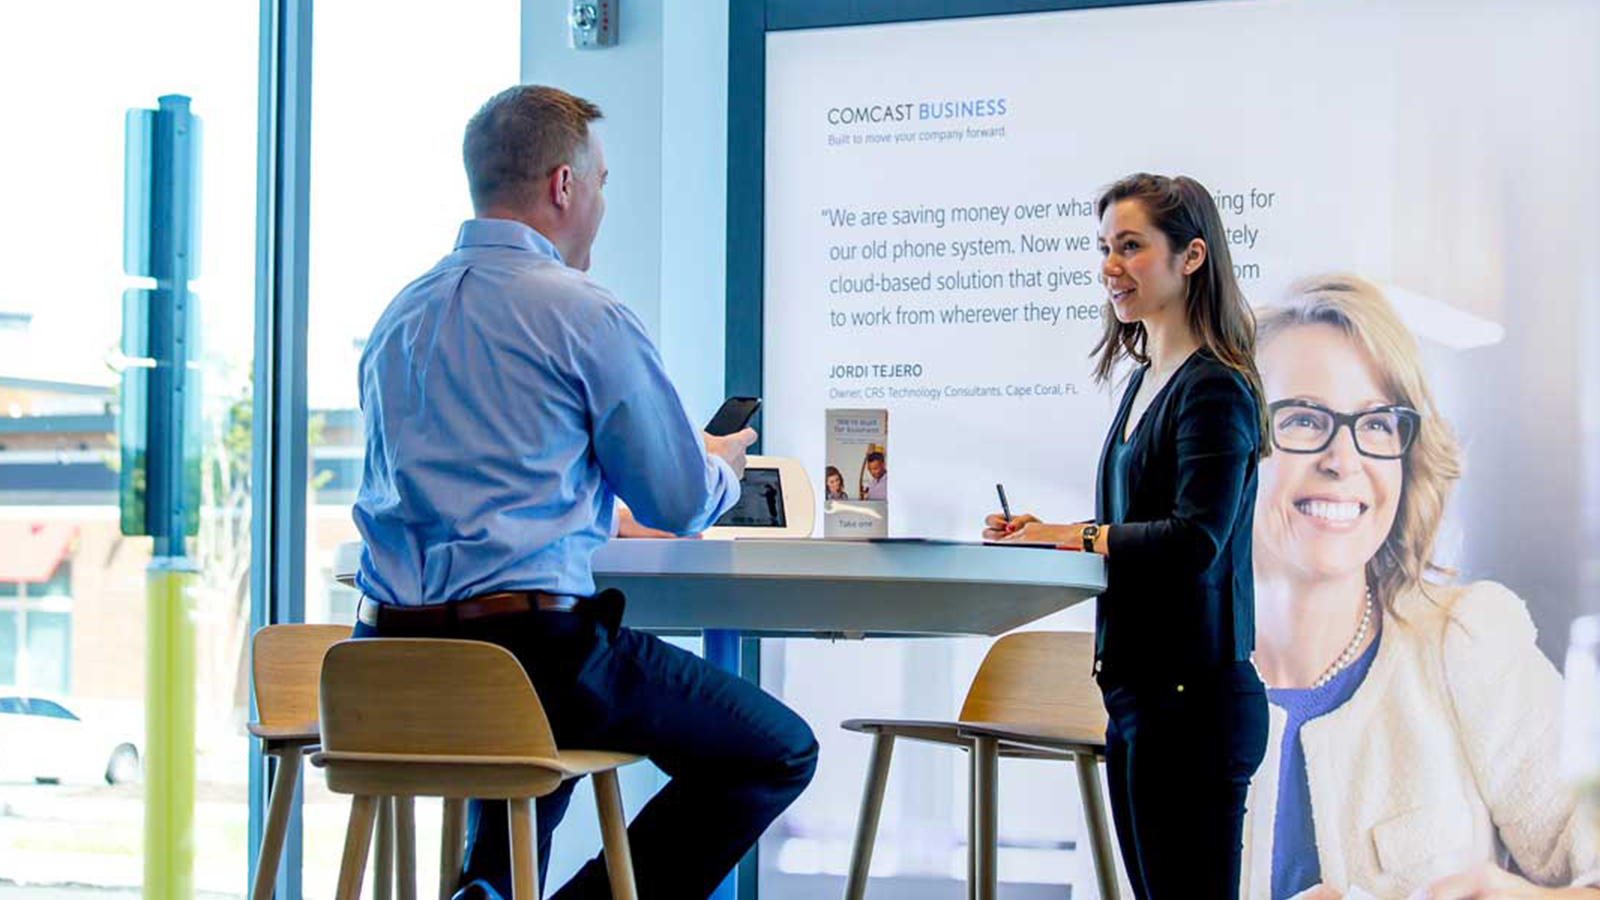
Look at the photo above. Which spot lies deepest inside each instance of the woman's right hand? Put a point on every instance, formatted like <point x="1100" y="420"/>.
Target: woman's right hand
<point x="996" y="528"/>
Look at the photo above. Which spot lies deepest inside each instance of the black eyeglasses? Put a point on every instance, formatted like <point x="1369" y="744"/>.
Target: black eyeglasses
<point x="1386" y="432"/>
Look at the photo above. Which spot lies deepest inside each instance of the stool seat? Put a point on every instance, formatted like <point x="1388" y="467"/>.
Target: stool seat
<point x="464" y="777"/>
<point x="305" y="732"/>
<point x="569" y="763"/>
<point x="961" y="733"/>
<point x="1021" y="737"/>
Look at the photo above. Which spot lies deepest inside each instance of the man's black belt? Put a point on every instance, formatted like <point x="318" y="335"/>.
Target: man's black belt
<point x="484" y="606"/>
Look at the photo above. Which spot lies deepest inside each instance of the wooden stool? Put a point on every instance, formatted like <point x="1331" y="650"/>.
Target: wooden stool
<point x="286" y="661"/>
<point x="405" y="718"/>
<point x="1034" y="698"/>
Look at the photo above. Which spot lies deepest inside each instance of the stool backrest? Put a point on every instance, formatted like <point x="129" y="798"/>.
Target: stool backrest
<point x="430" y="697"/>
<point x="285" y="664"/>
<point x="1040" y="679"/>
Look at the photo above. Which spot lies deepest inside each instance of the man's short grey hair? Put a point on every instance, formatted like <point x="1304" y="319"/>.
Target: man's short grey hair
<point x="519" y="137"/>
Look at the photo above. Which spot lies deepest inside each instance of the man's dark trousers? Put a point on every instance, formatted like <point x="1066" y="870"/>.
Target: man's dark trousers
<point x="735" y="755"/>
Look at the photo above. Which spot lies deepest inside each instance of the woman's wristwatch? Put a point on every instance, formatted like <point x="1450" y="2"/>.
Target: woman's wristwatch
<point x="1090" y="532"/>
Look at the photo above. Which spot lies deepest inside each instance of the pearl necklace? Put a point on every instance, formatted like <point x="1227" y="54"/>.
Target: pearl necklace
<point x="1352" y="649"/>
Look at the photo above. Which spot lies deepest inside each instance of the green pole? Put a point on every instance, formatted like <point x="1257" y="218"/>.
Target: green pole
<point x="169" y="772"/>
<point x="161" y="468"/>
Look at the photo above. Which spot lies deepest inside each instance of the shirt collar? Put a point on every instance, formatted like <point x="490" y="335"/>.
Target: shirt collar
<point x="505" y="233"/>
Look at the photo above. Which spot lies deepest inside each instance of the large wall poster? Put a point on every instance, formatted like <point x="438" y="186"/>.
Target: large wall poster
<point x="1410" y="191"/>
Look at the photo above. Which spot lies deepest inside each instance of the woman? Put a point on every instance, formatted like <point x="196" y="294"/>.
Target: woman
<point x="833" y="484"/>
<point x="1173" y="629"/>
<point x="1416" y="719"/>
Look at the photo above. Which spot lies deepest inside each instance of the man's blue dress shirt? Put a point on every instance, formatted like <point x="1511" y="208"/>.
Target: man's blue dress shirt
<point x="508" y="400"/>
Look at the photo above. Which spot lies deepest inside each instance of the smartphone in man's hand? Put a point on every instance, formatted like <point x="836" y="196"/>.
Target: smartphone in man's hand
<point x="733" y="416"/>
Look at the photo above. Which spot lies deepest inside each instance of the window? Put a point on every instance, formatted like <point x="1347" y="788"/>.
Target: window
<point x="72" y="587"/>
<point x="388" y="193"/>
<point x="35" y="632"/>
<point x="49" y="709"/>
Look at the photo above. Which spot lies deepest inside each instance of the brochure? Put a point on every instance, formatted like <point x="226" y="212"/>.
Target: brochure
<point x="855" y="483"/>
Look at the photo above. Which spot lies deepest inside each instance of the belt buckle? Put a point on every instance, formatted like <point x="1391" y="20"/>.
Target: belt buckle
<point x="367" y="612"/>
<point x="555" y="603"/>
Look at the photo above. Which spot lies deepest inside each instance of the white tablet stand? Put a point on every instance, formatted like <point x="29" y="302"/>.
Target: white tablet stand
<point x="776" y="502"/>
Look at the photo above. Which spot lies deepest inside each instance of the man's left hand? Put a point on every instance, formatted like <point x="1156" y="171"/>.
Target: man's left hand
<point x="629" y="527"/>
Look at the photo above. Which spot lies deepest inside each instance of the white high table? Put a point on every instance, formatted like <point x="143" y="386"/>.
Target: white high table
<point x="843" y="588"/>
<point x="821" y="588"/>
<point x="727" y="590"/>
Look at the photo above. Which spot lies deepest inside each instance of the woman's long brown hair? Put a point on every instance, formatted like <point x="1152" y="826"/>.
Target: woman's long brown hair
<point x="1218" y="316"/>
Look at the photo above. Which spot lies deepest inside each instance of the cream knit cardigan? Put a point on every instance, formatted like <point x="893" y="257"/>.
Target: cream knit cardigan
<point x="1445" y="756"/>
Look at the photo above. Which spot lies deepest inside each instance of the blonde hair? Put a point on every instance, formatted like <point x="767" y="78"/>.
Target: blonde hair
<point x="1432" y="466"/>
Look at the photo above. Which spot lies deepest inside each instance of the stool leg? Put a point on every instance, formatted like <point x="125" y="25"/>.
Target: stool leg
<point x="452" y="837"/>
<point x="357" y="838"/>
<point x="383" y="866"/>
<point x="405" y="848"/>
<point x="524" y="850"/>
<point x="271" y="852"/>
<point x="1094" y="814"/>
<point x="972" y="824"/>
<point x="867" y="821"/>
<point x="986" y="765"/>
<point x="614" y="835"/>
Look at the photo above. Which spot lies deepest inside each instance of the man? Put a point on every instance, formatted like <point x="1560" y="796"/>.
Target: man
<point x="879" y="470"/>
<point x="509" y="401"/>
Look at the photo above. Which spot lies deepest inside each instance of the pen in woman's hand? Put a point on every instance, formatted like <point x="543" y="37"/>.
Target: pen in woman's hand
<point x="1005" y="507"/>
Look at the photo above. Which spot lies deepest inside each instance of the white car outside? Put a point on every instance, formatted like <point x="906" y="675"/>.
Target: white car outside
<point x="43" y="740"/>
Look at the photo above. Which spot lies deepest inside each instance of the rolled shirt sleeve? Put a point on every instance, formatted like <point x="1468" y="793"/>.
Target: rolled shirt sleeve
<point x="649" y="453"/>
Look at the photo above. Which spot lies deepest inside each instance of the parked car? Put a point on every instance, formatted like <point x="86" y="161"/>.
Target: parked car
<point x="41" y="739"/>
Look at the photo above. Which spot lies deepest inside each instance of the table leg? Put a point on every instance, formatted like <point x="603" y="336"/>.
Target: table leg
<point x="986" y="787"/>
<point x="722" y="650"/>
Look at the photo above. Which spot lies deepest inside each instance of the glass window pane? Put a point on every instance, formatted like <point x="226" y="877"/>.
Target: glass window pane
<point x="50" y="652"/>
<point x="49" y="709"/>
<point x="387" y="195"/>
<point x="9" y="646"/>
<point x="72" y="73"/>
<point x="59" y="585"/>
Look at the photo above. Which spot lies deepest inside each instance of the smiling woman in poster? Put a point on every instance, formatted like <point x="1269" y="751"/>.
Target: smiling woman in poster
<point x="1413" y="744"/>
